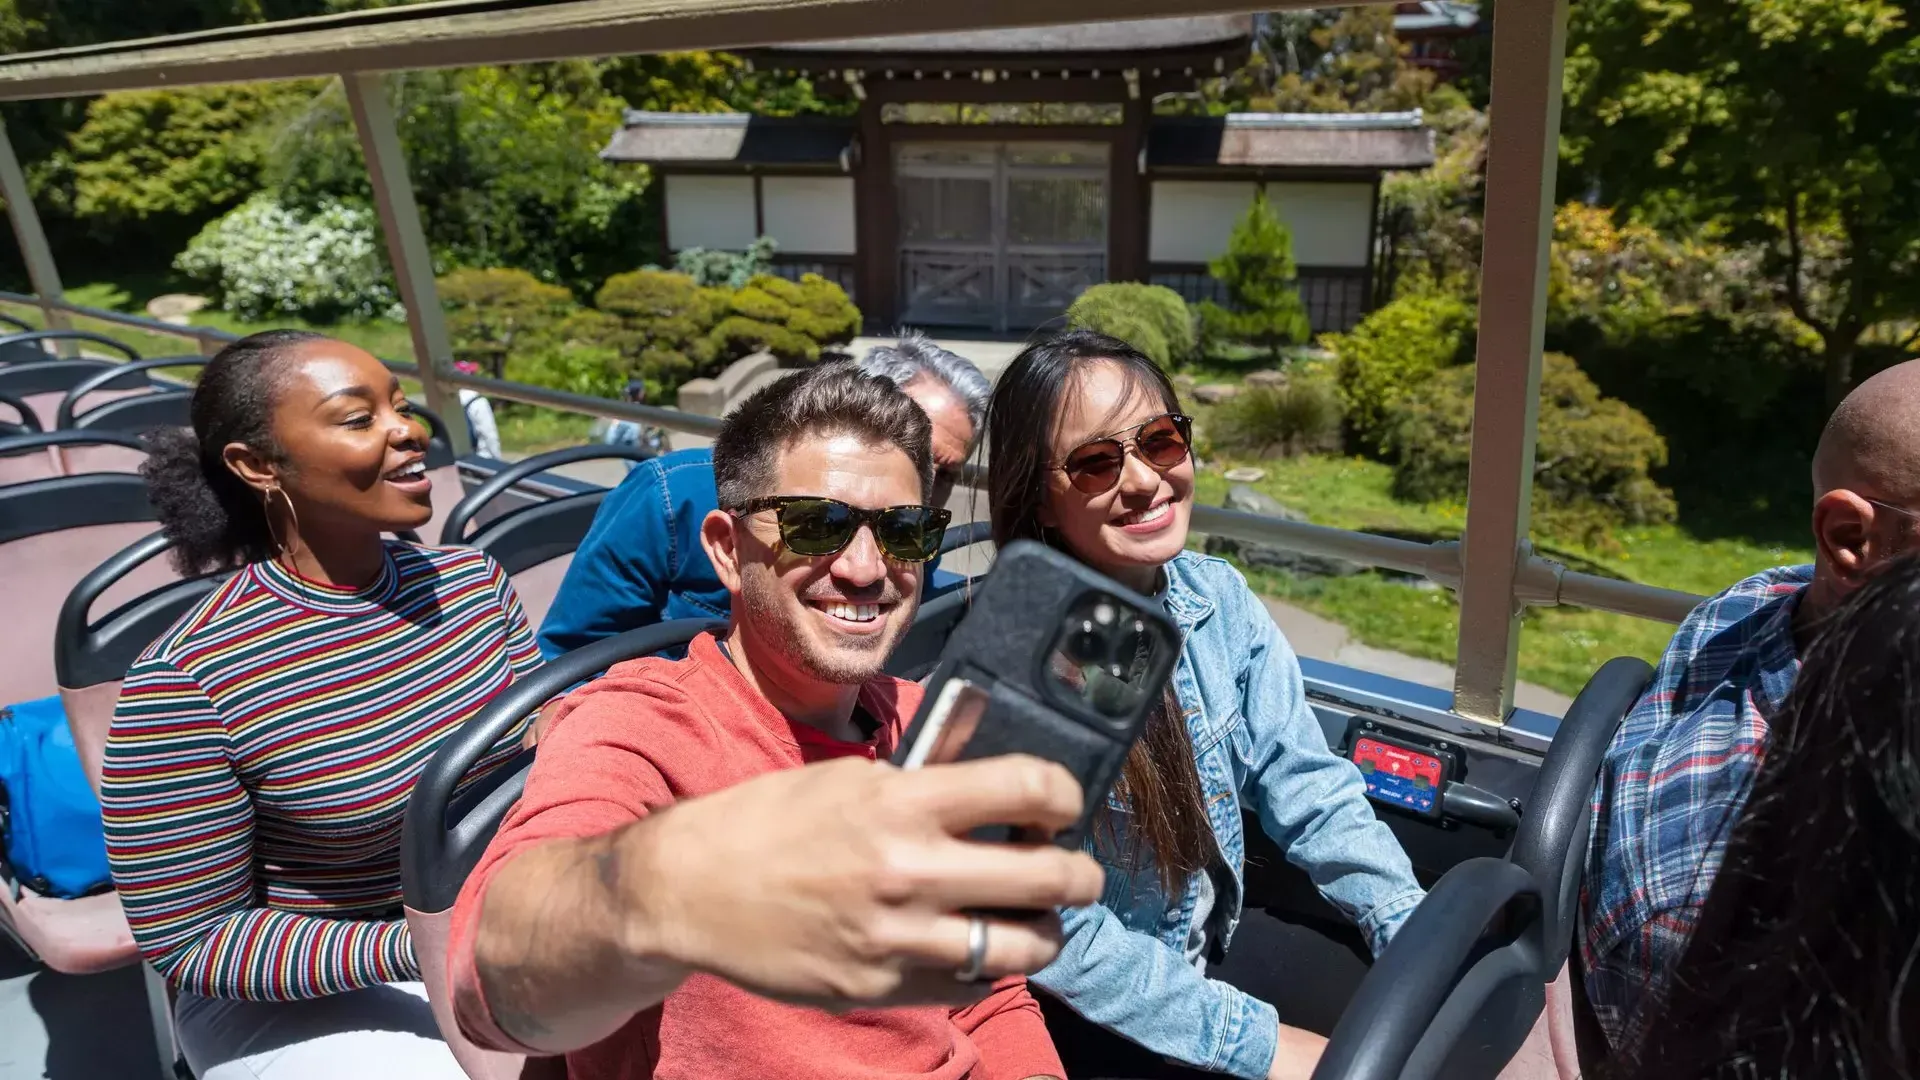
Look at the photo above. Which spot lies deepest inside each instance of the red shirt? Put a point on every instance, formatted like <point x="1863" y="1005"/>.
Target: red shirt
<point x="650" y="732"/>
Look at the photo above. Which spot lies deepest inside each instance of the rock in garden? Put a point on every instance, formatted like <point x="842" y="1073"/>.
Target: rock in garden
<point x="1267" y="378"/>
<point x="1214" y="393"/>
<point x="1245" y="474"/>
<point x="1184" y="383"/>
<point x="175" y="307"/>
<point x="1251" y="501"/>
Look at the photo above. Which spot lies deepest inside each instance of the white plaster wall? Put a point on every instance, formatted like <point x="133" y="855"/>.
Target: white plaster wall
<point x="1192" y="219"/>
<point x="809" y="215"/>
<point x="710" y="212"/>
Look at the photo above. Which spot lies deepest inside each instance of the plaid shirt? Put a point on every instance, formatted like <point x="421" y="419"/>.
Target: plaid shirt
<point x="1679" y="771"/>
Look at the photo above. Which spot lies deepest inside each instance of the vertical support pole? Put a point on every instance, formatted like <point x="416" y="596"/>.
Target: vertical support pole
<point x="32" y="239"/>
<point x="1529" y="46"/>
<point x="406" y="247"/>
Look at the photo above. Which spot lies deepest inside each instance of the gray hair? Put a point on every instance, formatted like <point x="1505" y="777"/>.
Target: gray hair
<point x="916" y="355"/>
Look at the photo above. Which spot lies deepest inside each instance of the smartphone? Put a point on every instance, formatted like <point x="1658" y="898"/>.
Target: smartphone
<point x="1054" y="660"/>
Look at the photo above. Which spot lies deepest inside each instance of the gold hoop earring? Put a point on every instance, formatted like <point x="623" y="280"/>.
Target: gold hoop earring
<point x="266" y="507"/>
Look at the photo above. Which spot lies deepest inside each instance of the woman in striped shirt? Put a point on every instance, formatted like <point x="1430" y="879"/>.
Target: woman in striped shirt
<point x="265" y="745"/>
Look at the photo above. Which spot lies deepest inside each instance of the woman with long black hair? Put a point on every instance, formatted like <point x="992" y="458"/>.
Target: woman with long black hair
<point x="1805" y="964"/>
<point x="1091" y="454"/>
<point x="264" y="747"/>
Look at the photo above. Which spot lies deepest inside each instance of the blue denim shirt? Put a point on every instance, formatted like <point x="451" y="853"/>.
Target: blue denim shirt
<point x="641" y="562"/>
<point x="1256" y="743"/>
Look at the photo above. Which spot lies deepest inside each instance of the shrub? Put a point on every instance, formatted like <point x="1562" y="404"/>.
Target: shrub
<point x="1393" y="351"/>
<point x="1592" y="463"/>
<point x="263" y="259"/>
<point x="731" y="269"/>
<point x="576" y="367"/>
<point x="1299" y="416"/>
<point x="790" y="319"/>
<point x="661" y="324"/>
<point x="490" y="313"/>
<point x="1151" y="318"/>
<point x="1262" y="284"/>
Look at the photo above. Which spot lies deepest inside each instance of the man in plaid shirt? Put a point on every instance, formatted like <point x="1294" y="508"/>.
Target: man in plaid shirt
<point x="1682" y="765"/>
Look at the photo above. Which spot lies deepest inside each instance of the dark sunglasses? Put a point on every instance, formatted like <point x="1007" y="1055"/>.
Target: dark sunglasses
<point x="1094" y="467"/>
<point x="814" y="526"/>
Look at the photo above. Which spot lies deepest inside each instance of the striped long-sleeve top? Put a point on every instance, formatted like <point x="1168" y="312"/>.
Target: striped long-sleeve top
<point x="261" y="758"/>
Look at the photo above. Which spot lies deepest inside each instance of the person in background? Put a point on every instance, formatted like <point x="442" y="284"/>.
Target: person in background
<point x="265" y="745"/>
<point x="479" y="411"/>
<point x="1805" y="955"/>
<point x="1681" y="767"/>
<point x="632" y="432"/>
<point x="1092" y="456"/>
<point x="642" y="563"/>
<point x="561" y="934"/>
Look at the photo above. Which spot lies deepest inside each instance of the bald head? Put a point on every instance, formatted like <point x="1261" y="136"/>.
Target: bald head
<point x="1871" y="444"/>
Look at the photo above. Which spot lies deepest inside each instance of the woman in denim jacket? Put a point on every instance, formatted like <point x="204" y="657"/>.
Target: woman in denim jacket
<point x="1090" y="455"/>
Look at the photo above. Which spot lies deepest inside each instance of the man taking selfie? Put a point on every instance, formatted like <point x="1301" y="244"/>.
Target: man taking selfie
<point x="582" y="931"/>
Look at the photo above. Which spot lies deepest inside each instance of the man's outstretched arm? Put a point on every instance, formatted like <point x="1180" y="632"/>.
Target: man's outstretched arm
<point x="839" y="884"/>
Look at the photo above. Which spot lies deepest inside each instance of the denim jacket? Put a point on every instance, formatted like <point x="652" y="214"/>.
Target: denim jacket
<point x="641" y="562"/>
<point x="1256" y="742"/>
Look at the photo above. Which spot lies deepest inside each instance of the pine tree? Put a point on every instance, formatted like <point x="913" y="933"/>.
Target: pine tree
<point x="1262" y="283"/>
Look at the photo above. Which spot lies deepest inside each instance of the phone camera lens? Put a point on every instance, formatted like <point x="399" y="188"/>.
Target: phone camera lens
<point x="1104" y="614"/>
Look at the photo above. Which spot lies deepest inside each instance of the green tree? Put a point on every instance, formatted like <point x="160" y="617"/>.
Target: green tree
<point x="188" y="153"/>
<point x="1353" y="63"/>
<point x="1262" y="284"/>
<point x="1786" y="123"/>
<point x="493" y="313"/>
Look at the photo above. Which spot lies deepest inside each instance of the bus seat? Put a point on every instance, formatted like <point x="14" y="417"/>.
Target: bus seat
<point x="91" y="657"/>
<point x="43" y="383"/>
<point x="42" y="455"/>
<point x="533" y="543"/>
<point x="28" y="346"/>
<point x="450" y="822"/>
<point x="54" y="531"/>
<point x="443" y="472"/>
<point x="920" y="648"/>
<point x="25" y="421"/>
<point x="1551" y="842"/>
<point x="163" y="405"/>
<point x="1458" y="991"/>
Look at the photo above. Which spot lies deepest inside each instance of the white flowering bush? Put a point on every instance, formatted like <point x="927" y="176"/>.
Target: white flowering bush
<point x="264" y="259"/>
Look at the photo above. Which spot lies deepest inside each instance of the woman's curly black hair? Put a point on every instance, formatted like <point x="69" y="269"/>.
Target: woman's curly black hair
<point x="213" y="518"/>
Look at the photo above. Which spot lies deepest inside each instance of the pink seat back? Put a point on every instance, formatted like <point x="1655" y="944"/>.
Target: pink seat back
<point x="430" y="932"/>
<point x="89" y="712"/>
<point x="36" y="574"/>
<point x="1548" y="1053"/>
<point x="74" y="937"/>
<point x="34" y="465"/>
<point x="538" y="585"/>
<point x="447" y="493"/>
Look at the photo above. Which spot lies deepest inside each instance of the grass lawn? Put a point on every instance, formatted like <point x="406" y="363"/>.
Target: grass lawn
<point x="1559" y="647"/>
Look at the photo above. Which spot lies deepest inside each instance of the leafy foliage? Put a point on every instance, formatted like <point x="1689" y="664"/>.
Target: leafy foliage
<point x="490" y="313"/>
<point x="1391" y="353"/>
<point x="1784" y="123"/>
<point x="792" y="320"/>
<point x="732" y="269"/>
<point x="265" y="259"/>
<point x="1151" y="318"/>
<point x="190" y="153"/>
<point x="1353" y="63"/>
<point x="1299" y="416"/>
<point x="661" y="326"/>
<point x="1431" y="220"/>
<point x="1592" y="469"/>
<point x="1262" y="284"/>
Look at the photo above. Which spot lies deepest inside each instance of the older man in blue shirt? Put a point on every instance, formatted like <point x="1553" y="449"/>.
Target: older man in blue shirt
<point x="1682" y="765"/>
<point x="642" y="562"/>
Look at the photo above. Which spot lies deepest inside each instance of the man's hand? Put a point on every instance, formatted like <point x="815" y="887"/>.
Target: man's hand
<point x="531" y="737"/>
<point x="841" y="884"/>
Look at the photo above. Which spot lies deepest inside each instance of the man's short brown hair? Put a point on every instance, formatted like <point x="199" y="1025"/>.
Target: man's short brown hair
<point x="832" y="399"/>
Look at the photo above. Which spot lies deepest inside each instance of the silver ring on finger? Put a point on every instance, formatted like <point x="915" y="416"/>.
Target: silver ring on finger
<point x="976" y="951"/>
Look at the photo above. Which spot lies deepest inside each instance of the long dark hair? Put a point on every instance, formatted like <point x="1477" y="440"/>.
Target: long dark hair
<point x="1805" y="962"/>
<point x="213" y="518"/>
<point x="1160" y="783"/>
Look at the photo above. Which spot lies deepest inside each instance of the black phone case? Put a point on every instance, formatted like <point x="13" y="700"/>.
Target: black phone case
<point x="1003" y="646"/>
